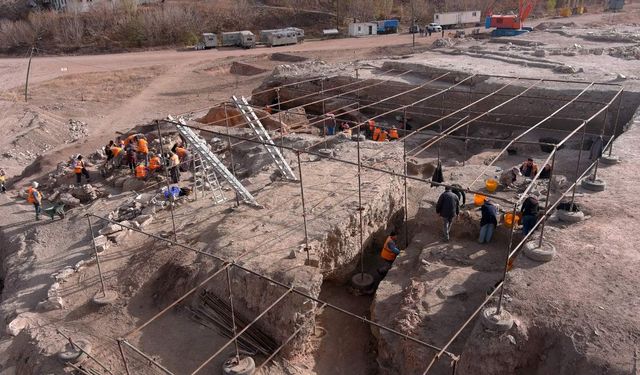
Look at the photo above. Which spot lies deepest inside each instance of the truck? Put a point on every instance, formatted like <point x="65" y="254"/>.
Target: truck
<point x="388" y="26"/>
<point x="457" y="19"/>
<point x="244" y="39"/>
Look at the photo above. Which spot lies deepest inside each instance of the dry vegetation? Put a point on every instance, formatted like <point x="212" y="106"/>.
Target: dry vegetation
<point x="118" y="26"/>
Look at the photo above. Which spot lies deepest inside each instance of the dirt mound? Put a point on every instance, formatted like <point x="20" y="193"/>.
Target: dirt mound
<point x="218" y="117"/>
<point x="244" y="69"/>
<point x="554" y="25"/>
<point x="287" y="57"/>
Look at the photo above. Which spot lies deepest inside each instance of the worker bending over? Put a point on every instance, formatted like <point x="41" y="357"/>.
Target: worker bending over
<point x="529" y="168"/>
<point x="142" y="149"/>
<point x="389" y="253"/>
<point x="155" y="164"/>
<point x="35" y="198"/>
<point x="80" y="169"/>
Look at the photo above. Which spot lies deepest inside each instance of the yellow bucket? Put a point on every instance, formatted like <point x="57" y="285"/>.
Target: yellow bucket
<point x="478" y="199"/>
<point x="491" y="185"/>
<point x="508" y="219"/>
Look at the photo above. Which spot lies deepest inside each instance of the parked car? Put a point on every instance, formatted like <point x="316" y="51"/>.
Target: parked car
<point x="434" y="27"/>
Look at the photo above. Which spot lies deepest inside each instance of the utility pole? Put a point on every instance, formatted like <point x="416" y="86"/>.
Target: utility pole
<point x="26" y="84"/>
<point x="337" y="14"/>
<point x="413" y="25"/>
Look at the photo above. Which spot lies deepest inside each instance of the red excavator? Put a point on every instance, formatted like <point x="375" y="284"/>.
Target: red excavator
<point x="510" y="24"/>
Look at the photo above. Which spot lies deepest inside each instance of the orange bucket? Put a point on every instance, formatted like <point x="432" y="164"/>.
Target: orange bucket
<point x="491" y="185"/>
<point x="478" y="199"/>
<point x="508" y="219"/>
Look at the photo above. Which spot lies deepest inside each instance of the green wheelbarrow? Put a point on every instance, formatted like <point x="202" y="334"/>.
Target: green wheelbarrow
<point x="56" y="209"/>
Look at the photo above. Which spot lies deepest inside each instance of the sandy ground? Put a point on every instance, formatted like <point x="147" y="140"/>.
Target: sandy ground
<point x="116" y="92"/>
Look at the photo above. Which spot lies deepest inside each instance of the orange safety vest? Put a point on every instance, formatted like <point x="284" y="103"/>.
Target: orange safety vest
<point x="376" y="133"/>
<point x="181" y="152"/>
<point x="116" y="151"/>
<point x="79" y="166"/>
<point x="143" y="146"/>
<point x="393" y="134"/>
<point x="154" y="163"/>
<point x="30" y="197"/>
<point x="141" y="171"/>
<point x="386" y="253"/>
<point x="129" y="139"/>
<point x="383" y="136"/>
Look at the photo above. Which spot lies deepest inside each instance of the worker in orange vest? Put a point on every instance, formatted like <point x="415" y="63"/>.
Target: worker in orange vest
<point x="35" y="198"/>
<point x="130" y="139"/>
<point x="143" y="149"/>
<point x="141" y="171"/>
<point x="383" y="136"/>
<point x="184" y="155"/>
<point x="117" y="156"/>
<point x="393" y="134"/>
<point x="376" y="133"/>
<point x="389" y="253"/>
<point x="369" y="129"/>
<point x="155" y="164"/>
<point x="80" y="169"/>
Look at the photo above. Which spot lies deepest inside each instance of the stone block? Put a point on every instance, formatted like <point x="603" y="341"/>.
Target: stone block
<point x="110" y="229"/>
<point x="55" y="303"/>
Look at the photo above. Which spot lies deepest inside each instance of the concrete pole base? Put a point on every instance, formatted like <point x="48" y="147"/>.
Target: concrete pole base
<point x="491" y="320"/>
<point x="108" y="298"/>
<point x="244" y="365"/>
<point x="593" y="185"/>
<point x="543" y="253"/>
<point x="362" y="283"/>
<point x="570" y="216"/>
<point x="72" y="354"/>
<point x="609" y="160"/>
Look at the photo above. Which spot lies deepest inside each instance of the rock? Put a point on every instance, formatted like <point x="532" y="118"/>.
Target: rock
<point x="144" y="220"/>
<point x="53" y="290"/>
<point x="131" y="184"/>
<point x="539" y="53"/>
<point x="64" y="273"/>
<point x="102" y="243"/>
<point x="565" y="69"/>
<point x="149" y="210"/>
<point x="118" y="237"/>
<point x="19" y="323"/>
<point x="55" y="303"/>
<point x="110" y="229"/>
<point x="621" y="77"/>
<point x="69" y="200"/>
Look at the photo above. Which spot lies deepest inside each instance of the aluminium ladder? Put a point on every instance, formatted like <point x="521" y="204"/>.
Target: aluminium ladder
<point x="254" y="123"/>
<point x="205" y="178"/>
<point x="209" y="159"/>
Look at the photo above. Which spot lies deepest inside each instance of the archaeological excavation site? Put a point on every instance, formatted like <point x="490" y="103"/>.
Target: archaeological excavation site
<point x="294" y="222"/>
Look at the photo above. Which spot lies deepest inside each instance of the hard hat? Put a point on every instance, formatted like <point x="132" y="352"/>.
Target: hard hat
<point x="34" y="184"/>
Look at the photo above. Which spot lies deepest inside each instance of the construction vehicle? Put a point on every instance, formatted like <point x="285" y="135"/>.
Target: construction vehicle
<point x="510" y="24"/>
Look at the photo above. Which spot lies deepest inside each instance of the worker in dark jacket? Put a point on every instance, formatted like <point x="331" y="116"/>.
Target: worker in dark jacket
<point x="529" y="213"/>
<point x="448" y="207"/>
<point x="459" y="191"/>
<point x="489" y="221"/>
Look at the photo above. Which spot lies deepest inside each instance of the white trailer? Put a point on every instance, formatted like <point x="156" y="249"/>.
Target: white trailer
<point x="244" y="39"/>
<point x="451" y="19"/>
<point x="363" y="28"/>
<point x="282" y="38"/>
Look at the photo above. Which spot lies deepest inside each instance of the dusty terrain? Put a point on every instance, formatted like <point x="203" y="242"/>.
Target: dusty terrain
<point x="578" y="311"/>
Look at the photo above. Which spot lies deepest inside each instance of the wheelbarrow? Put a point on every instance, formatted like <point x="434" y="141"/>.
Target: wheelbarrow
<point x="56" y="209"/>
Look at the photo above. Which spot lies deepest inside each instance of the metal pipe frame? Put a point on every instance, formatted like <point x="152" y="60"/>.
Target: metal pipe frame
<point x="318" y="93"/>
<point x="529" y="130"/>
<point x="84" y="351"/>
<point x="451" y="129"/>
<point x="279" y="284"/>
<point x="147" y="357"/>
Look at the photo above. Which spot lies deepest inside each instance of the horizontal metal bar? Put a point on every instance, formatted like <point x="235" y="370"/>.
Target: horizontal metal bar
<point x="164" y="369"/>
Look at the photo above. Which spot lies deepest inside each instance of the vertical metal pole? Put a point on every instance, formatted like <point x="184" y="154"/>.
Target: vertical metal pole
<point x="573" y="193"/>
<point x="506" y="263"/>
<point x="546" y="203"/>
<point x="604" y="126"/>
<point x="166" y="175"/>
<point x="324" y="113"/>
<point x="26" y="84"/>
<point x="124" y="359"/>
<point x="406" y="198"/>
<point x="440" y="124"/>
<point x="360" y="208"/>
<point x="95" y="250"/>
<point x="466" y="142"/>
<point x="413" y="25"/>
<point x="233" y="164"/>
<point x="615" y="126"/>
<point x="278" y="94"/>
<point x="304" y="211"/>
<point x="281" y="132"/>
<point x="233" y="315"/>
